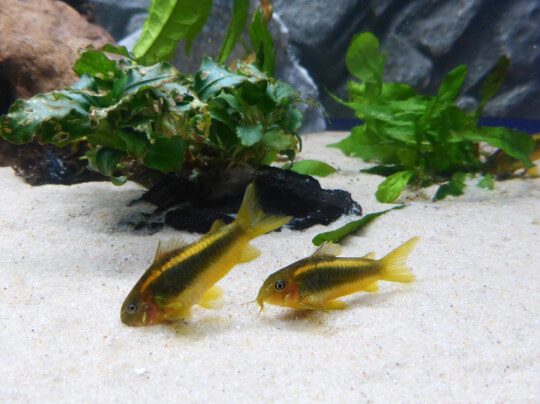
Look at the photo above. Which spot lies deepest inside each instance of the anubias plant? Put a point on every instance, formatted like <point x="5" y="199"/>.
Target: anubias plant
<point x="419" y="140"/>
<point x="136" y="110"/>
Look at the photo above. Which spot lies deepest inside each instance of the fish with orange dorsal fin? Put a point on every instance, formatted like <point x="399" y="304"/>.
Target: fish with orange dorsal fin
<point x="183" y="275"/>
<point x="316" y="282"/>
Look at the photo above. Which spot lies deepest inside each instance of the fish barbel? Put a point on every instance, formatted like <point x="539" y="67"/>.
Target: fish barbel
<point x="182" y="275"/>
<point x="316" y="282"/>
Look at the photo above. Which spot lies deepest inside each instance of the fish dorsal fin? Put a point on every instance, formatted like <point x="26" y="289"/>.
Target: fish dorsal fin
<point x="165" y="248"/>
<point x="327" y="249"/>
<point x="218" y="224"/>
<point x="369" y="255"/>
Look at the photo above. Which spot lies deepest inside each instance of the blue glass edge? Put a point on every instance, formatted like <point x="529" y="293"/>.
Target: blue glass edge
<point x="525" y="125"/>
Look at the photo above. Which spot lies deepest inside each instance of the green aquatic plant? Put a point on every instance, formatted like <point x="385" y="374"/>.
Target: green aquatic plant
<point x="419" y="140"/>
<point x="169" y="22"/>
<point x="311" y="167"/>
<point x="132" y="110"/>
<point x="130" y="115"/>
<point x="337" y="235"/>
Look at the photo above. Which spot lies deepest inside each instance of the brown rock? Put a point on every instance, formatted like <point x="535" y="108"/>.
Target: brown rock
<point x="39" y="44"/>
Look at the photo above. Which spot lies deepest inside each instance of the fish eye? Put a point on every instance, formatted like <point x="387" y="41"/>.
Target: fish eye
<point x="279" y="285"/>
<point x="132" y="308"/>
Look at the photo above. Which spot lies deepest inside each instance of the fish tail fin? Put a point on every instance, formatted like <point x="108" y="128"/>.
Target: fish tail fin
<point x="253" y="219"/>
<point x="394" y="266"/>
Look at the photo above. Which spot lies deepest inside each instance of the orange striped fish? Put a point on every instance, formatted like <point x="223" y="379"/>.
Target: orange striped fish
<point x="316" y="282"/>
<point x="182" y="276"/>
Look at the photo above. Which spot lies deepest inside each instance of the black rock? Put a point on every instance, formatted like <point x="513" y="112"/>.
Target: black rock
<point x="193" y="203"/>
<point x="45" y="164"/>
<point x="301" y="196"/>
<point x="195" y="220"/>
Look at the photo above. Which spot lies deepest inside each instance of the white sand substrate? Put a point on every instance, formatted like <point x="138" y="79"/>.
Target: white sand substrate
<point x="466" y="330"/>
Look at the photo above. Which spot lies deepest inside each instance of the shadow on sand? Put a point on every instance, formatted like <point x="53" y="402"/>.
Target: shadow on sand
<point x="311" y="320"/>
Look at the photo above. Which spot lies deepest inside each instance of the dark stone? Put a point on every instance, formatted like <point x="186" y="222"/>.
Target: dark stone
<point x="301" y="196"/>
<point x="193" y="205"/>
<point x="312" y="23"/>
<point x="170" y="190"/>
<point x="195" y="220"/>
<point x="435" y="26"/>
<point x="46" y="164"/>
<point x="421" y="70"/>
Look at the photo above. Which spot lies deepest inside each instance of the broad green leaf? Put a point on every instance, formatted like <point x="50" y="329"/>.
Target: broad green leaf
<point x="165" y="154"/>
<point x="116" y="50"/>
<point x="149" y="76"/>
<point x="212" y="78"/>
<point x="397" y="91"/>
<point x="486" y="182"/>
<point x="451" y="84"/>
<point x="383" y="171"/>
<point x="253" y="93"/>
<point x="106" y="160"/>
<point x="249" y="135"/>
<point x="516" y="144"/>
<point x="205" y="7"/>
<point x="57" y="117"/>
<point x="236" y="26"/>
<point x="168" y="22"/>
<point x="493" y="83"/>
<point x="282" y="93"/>
<point x="293" y="120"/>
<point x="335" y="236"/>
<point x="356" y="91"/>
<point x="313" y="167"/>
<point x="94" y="63"/>
<point x="368" y="146"/>
<point x="389" y="190"/>
<point x="106" y="136"/>
<point x="232" y="100"/>
<point x="364" y="59"/>
<point x="262" y="43"/>
<point x="278" y="140"/>
<point x="220" y="114"/>
<point x="454" y="187"/>
<point x="134" y="142"/>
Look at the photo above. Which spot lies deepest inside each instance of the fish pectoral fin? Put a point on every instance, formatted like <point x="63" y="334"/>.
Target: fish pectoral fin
<point x="328" y="249"/>
<point x="175" y="311"/>
<point x="372" y="288"/>
<point x="335" y="305"/>
<point x="325" y="306"/>
<point x="249" y="253"/>
<point x="314" y="307"/>
<point x="165" y="249"/>
<point x="218" y="224"/>
<point x="211" y="299"/>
